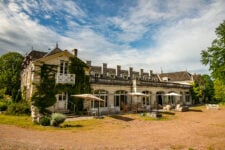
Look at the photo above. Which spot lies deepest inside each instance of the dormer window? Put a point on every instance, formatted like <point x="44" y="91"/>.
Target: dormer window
<point x="165" y="79"/>
<point x="96" y="75"/>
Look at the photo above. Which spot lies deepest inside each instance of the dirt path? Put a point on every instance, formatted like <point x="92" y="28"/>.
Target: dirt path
<point x="196" y="130"/>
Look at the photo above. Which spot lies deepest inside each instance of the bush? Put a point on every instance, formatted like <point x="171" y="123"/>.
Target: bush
<point x="18" y="108"/>
<point x="57" y="119"/>
<point x="3" y="106"/>
<point x="2" y="93"/>
<point x="45" y="121"/>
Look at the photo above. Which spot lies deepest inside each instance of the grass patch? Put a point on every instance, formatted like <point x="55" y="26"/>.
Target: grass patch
<point x="26" y="122"/>
<point x="197" y="108"/>
<point x="81" y="124"/>
<point x="21" y="121"/>
<point x="163" y="118"/>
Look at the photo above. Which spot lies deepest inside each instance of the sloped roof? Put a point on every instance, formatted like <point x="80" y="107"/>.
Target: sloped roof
<point x="111" y="70"/>
<point x="95" y="68"/>
<point x="54" y="51"/>
<point x="177" y="76"/>
<point x="124" y="72"/>
<point x="36" y="54"/>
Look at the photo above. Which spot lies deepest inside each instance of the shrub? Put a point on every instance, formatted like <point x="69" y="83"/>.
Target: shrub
<point x="45" y="121"/>
<point x="2" y="93"/>
<point x="18" y="108"/>
<point x="3" y="106"/>
<point x="57" y="119"/>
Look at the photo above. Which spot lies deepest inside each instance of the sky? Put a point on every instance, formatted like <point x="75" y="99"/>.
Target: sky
<point x="158" y="35"/>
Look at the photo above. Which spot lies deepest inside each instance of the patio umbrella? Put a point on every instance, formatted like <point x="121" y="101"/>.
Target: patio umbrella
<point x="90" y="97"/>
<point x="137" y="94"/>
<point x="172" y="94"/>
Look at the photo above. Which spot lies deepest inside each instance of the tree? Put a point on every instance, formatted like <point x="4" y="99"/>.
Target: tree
<point x="202" y="89"/>
<point x="10" y="67"/>
<point x="219" y="90"/>
<point x="208" y="89"/>
<point x="214" y="56"/>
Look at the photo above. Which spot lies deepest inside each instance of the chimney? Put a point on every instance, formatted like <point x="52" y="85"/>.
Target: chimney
<point x="118" y="70"/>
<point x="150" y="73"/>
<point x="74" y="51"/>
<point x="130" y="72"/>
<point x="141" y="73"/>
<point x="88" y="62"/>
<point x="104" y="69"/>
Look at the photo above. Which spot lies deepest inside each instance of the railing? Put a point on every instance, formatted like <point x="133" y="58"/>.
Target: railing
<point x="65" y="78"/>
<point x="110" y="81"/>
<point x="139" y="82"/>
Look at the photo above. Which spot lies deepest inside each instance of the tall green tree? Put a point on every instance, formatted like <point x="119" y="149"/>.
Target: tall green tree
<point x="208" y="89"/>
<point x="10" y="67"/>
<point x="202" y="89"/>
<point x="214" y="56"/>
<point x="219" y="90"/>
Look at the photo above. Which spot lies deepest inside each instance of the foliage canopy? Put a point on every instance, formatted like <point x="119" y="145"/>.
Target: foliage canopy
<point x="10" y="67"/>
<point x="214" y="56"/>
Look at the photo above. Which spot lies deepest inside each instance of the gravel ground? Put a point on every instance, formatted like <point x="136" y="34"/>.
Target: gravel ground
<point x="187" y="130"/>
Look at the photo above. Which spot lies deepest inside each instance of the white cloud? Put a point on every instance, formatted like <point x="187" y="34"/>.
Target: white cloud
<point x="180" y="45"/>
<point x="47" y="16"/>
<point x="186" y="28"/>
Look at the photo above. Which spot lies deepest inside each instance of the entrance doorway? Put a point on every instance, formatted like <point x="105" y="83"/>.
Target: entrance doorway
<point x="159" y="98"/>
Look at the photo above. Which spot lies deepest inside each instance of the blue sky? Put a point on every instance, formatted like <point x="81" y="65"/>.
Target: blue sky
<point x="154" y="35"/>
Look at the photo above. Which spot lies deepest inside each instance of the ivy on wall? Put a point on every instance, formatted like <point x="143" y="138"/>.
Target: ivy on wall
<point x="82" y="84"/>
<point x="46" y="89"/>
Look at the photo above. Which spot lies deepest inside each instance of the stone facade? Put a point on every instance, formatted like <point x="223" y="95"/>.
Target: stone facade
<point x="111" y="84"/>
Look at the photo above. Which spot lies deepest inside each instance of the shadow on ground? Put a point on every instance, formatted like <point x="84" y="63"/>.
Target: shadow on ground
<point x="70" y="126"/>
<point x="195" y="110"/>
<point x="168" y="113"/>
<point x="119" y="117"/>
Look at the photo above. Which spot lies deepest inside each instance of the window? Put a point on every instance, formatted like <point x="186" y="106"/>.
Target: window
<point x="187" y="97"/>
<point x="103" y="94"/>
<point x="62" y="97"/>
<point x="64" y="67"/>
<point x="96" y="75"/>
<point x="120" y="98"/>
<point x="146" y="99"/>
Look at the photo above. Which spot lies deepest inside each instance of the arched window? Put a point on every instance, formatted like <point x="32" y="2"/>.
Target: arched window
<point x="120" y="98"/>
<point x="160" y="97"/>
<point x="103" y="94"/>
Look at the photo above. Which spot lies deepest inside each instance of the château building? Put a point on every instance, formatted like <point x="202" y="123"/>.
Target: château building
<point x="114" y="85"/>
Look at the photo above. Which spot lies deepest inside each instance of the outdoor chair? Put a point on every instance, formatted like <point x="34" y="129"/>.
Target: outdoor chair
<point x="141" y="109"/>
<point x="181" y="108"/>
<point x="92" y="112"/>
<point x="167" y="107"/>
